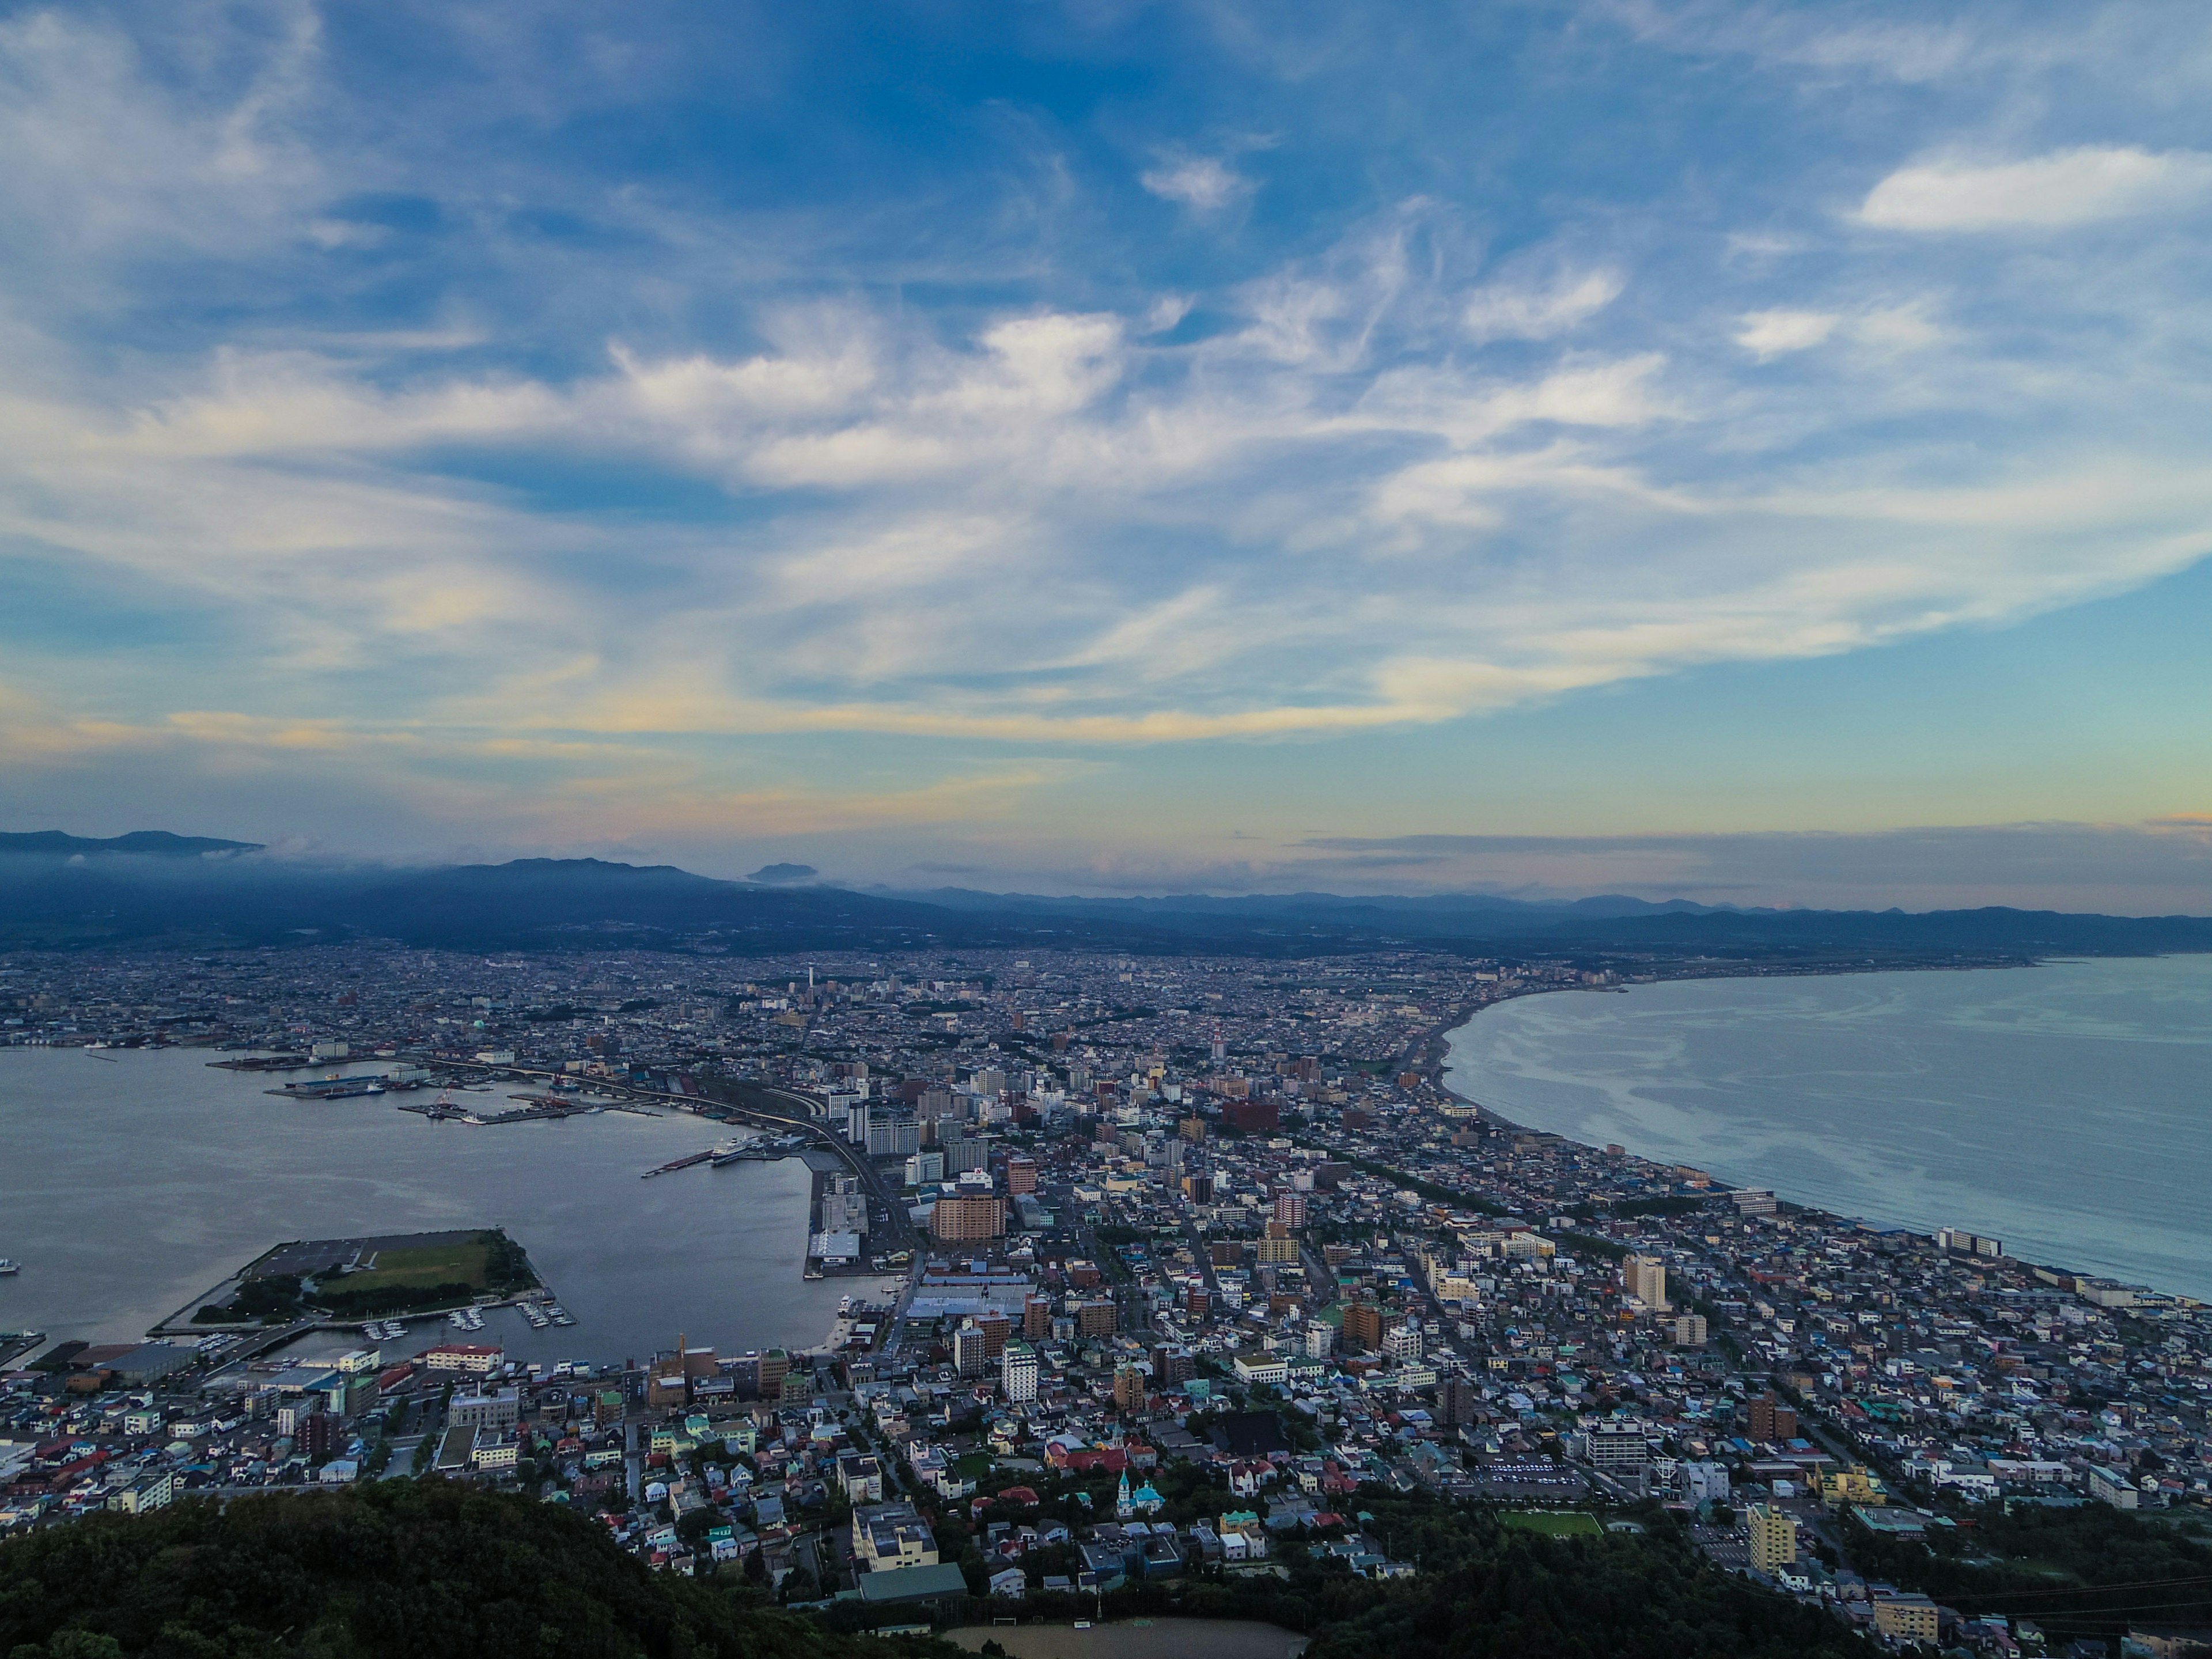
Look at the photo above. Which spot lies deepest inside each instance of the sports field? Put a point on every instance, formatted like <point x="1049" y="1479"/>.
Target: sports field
<point x="1556" y="1523"/>
<point x="464" y="1263"/>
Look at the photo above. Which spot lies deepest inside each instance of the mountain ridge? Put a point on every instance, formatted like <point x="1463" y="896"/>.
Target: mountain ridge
<point x="152" y="886"/>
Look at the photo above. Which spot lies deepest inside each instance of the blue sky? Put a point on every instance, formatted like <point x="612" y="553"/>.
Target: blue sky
<point x="1750" y="451"/>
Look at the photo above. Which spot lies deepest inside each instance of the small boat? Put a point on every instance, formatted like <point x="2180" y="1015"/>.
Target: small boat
<point x="558" y="1314"/>
<point x="8" y="1266"/>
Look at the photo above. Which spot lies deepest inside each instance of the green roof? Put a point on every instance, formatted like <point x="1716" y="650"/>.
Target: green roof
<point x="912" y="1584"/>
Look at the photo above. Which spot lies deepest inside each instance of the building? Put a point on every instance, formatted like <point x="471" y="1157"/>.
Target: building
<point x="1771" y="1420"/>
<point x="1128" y="1391"/>
<point x="1036" y="1318"/>
<point x="1690" y="1330"/>
<point x="1458" y="1401"/>
<point x="1279" y="1252"/>
<point x="144" y="1494"/>
<point x="969" y="1219"/>
<point x="1321" y="1338"/>
<point x="1097" y="1318"/>
<point x="862" y="1476"/>
<point x="1363" y="1328"/>
<point x="1021" y="1174"/>
<point x="1852" y="1486"/>
<point x="968" y="1349"/>
<point x="1291" y="1209"/>
<point x="944" y="1584"/>
<point x="1619" y="1448"/>
<point x="1172" y="1365"/>
<point x="888" y="1535"/>
<point x="1644" y="1277"/>
<point x="2117" y="1490"/>
<point x="1774" y="1540"/>
<point x="774" y="1368"/>
<point x="459" y="1357"/>
<point x="1018" y="1373"/>
<point x="1403" y="1343"/>
<point x="1703" y="1481"/>
<point x="1905" y="1618"/>
<point x="498" y="1411"/>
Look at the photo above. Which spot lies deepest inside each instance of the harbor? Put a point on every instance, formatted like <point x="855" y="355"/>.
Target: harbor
<point x="629" y="1259"/>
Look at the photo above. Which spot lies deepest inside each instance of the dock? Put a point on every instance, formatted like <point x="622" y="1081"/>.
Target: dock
<point x="680" y="1163"/>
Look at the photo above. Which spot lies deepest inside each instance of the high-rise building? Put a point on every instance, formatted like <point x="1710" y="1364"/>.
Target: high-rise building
<point x="969" y="1219"/>
<point x="1403" y="1342"/>
<point x="1172" y="1364"/>
<point x="1279" y="1251"/>
<point x="1036" y="1318"/>
<point x="1645" y="1279"/>
<point x="1363" y="1328"/>
<point x="1096" y="1318"/>
<point x="1772" y="1421"/>
<point x="968" y="1349"/>
<point x="1321" y="1338"/>
<point x="1773" y="1538"/>
<point x="1458" y="1402"/>
<point x="1128" y="1389"/>
<point x="1018" y="1373"/>
<point x="774" y="1366"/>
<point x="1690" y="1330"/>
<point x="1021" y="1174"/>
<point x="1291" y="1209"/>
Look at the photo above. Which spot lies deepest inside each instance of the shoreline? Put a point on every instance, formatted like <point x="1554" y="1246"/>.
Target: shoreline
<point x="1435" y="1052"/>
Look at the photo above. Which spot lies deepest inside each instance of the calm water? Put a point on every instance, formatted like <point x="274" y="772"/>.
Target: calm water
<point x="129" y="1186"/>
<point x="2066" y="1109"/>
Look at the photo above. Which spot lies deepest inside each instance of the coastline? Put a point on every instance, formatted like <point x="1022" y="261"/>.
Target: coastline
<point x="1435" y="1056"/>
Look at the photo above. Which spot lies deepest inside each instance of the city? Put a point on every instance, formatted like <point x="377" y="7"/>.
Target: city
<point x="1164" y="1271"/>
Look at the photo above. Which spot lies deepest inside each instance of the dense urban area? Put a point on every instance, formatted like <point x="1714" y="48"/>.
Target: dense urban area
<point x="1178" y="1284"/>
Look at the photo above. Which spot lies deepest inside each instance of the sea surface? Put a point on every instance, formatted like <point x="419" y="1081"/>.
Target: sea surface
<point x="2065" y="1109"/>
<point x="132" y="1181"/>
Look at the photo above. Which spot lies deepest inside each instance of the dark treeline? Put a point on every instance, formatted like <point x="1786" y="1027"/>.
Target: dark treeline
<point x="399" y="1569"/>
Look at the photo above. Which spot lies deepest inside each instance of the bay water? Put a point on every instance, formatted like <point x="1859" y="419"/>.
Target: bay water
<point x="2065" y="1109"/>
<point x="133" y="1180"/>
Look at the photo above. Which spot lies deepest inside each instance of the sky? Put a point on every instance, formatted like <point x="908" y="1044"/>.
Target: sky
<point x="1754" y="454"/>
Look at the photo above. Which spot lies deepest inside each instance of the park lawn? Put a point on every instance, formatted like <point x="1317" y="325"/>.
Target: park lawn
<point x="466" y="1264"/>
<point x="974" y="1466"/>
<point x="1554" y="1523"/>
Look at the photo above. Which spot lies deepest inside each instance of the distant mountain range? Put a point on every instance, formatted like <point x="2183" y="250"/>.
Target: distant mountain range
<point x="154" y="888"/>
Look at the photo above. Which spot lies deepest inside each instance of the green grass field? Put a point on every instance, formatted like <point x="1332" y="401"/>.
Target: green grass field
<point x="443" y="1264"/>
<point x="1556" y="1523"/>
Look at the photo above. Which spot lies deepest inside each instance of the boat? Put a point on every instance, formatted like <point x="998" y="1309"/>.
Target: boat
<point x="558" y="1314"/>
<point x="8" y="1266"/>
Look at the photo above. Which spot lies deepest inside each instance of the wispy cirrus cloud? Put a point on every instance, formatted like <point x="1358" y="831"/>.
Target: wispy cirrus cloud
<point x="2068" y="187"/>
<point x="388" y="403"/>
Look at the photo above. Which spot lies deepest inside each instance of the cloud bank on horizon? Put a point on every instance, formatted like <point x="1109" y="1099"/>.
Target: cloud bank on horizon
<point x="870" y="428"/>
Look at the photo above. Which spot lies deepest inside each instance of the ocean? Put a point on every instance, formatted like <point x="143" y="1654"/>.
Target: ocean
<point x="2065" y="1109"/>
<point x="132" y="1181"/>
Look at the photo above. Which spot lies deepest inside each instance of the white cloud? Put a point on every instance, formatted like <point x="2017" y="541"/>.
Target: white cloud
<point x="1539" y="314"/>
<point x="1205" y="184"/>
<point x="2068" y="187"/>
<point x="1767" y="334"/>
